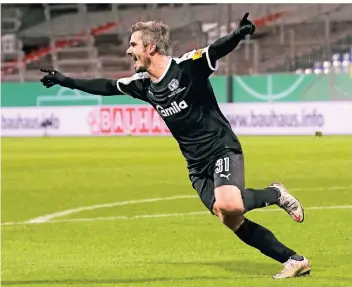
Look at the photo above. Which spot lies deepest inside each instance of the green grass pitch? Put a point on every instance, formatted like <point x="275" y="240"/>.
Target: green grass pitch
<point x="114" y="234"/>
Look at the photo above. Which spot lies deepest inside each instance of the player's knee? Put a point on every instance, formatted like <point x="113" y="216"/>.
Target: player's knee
<point x="230" y="207"/>
<point x="233" y="222"/>
<point x="228" y="200"/>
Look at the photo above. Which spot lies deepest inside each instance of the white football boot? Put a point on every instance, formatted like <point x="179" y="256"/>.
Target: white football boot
<point x="288" y="203"/>
<point x="294" y="268"/>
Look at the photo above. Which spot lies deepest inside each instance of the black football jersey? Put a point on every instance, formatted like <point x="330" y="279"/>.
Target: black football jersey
<point x="184" y="98"/>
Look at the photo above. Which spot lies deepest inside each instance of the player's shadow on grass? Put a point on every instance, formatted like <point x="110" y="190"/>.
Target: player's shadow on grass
<point x="106" y="281"/>
<point x="242" y="267"/>
<point x="249" y="268"/>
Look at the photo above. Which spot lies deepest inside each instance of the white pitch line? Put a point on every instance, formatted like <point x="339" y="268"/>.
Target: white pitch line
<point x="159" y="215"/>
<point x="51" y="216"/>
<point x="48" y="217"/>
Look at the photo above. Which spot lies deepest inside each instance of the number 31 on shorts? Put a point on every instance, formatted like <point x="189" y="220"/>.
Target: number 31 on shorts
<point x="222" y="165"/>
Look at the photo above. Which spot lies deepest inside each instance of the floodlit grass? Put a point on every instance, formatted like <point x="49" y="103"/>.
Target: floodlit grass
<point x="115" y="246"/>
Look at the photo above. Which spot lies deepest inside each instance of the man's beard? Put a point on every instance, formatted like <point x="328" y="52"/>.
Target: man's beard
<point x="141" y="69"/>
<point x="144" y="67"/>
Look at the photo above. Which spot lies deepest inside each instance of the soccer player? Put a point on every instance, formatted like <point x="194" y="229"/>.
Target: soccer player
<point x="179" y="89"/>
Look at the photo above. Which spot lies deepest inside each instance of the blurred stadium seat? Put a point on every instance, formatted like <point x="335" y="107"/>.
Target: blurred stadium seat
<point x="89" y="40"/>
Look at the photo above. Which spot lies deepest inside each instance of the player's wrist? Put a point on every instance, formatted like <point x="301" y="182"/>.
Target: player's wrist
<point x="245" y="30"/>
<point x="68" y="82"/>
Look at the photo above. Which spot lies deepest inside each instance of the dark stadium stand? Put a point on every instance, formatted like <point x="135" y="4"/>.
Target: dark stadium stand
<point x="90" y="40"/>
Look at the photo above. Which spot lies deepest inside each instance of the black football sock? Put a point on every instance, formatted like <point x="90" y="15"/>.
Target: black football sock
<point x="297" y="257"/>
<point x="257" y="198"/>
<point x="265" y="241"/>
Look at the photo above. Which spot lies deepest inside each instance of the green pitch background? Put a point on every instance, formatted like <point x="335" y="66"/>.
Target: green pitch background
<point x="47" y="175"/>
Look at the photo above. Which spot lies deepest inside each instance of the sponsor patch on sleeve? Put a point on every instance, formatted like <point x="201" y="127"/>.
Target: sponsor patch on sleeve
<point x="198" y="54"/>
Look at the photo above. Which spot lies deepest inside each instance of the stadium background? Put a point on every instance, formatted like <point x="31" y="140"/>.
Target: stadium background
<point x="299" y="54"/>
<point x="118" y="210"/>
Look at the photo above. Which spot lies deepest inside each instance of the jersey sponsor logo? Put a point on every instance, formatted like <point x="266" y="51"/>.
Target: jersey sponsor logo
<point x="173" y="109"/>
<point x="173" y="85"/>
<point x="198" y="54"/>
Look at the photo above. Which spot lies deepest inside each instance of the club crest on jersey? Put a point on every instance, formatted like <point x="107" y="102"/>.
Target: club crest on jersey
<point x="198" y="54"/>
<point x="173" y="85"/>
<point x="173" y="109"/>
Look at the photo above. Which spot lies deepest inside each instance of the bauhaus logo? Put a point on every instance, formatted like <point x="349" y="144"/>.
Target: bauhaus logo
<point x="173" y="109"/>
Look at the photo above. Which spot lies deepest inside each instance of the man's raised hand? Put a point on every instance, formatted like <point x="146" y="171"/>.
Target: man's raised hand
<point x="246" y="27"/>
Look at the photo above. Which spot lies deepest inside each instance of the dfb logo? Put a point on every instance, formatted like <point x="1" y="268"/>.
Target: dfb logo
<point x="173" y="85"/>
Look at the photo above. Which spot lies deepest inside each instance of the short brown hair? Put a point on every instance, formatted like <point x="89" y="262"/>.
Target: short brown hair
<point x="154" y="32"/>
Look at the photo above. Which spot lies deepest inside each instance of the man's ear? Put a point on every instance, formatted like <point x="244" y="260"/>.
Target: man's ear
<point x="151" y="48"/>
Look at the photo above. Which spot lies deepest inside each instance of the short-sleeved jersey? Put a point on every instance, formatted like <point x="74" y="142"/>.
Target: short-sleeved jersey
<point x="184" y="98"/>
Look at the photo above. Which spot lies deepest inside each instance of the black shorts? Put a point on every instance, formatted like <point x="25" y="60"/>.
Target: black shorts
<point x="227" y="169"/>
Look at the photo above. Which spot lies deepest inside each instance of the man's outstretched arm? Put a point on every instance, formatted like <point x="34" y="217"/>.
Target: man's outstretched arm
<point x="228" y="43"/>
<point x="99" y="86"/>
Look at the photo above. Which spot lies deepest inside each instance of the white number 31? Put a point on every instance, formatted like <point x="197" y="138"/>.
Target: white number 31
<point x="222" y="164"/>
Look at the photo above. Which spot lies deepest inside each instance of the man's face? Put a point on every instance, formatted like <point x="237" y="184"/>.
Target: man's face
<point x="138" y="52"/>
